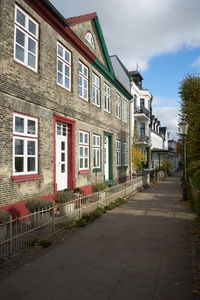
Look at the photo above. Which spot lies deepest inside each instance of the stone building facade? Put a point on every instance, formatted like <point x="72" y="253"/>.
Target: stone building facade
<point x="64" y="117"/>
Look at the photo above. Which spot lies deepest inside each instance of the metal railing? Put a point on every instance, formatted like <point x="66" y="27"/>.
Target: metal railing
<point x="141" y="110"/>
<point x="142" y="139"/>
<point x="19" y="233"/>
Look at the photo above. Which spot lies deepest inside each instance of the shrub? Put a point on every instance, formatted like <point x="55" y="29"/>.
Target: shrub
<point x="196" y="179"/>
<point x="64" y="196"/>
<point x="4" y="216"/>
<point x="68" y="190"/>
<point x="78" y="190"/>
<point x="99" y="187"/>
<point x="38" y="204"/>
<point x="197" y="204"/>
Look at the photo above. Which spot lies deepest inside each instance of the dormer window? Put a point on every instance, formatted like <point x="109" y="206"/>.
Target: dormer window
<point x="89" y="38"/>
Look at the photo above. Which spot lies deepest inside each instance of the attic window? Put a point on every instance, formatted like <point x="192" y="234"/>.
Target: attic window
<point x="89" y="38"/>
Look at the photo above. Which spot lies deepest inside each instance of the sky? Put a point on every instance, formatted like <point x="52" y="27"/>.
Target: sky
<point x="161" y="37"/>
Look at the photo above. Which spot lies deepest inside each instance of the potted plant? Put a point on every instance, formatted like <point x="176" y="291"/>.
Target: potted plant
<point x="4" y="218"/>
<point x="65" y="201"/>
<point x="38" y="208"/>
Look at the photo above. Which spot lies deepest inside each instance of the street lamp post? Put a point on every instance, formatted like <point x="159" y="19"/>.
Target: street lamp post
<point x="183" y="126"/>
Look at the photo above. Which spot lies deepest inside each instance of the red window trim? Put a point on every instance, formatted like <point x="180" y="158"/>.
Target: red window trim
<point x="19" y="178"/>
<point x="84" y="171"/>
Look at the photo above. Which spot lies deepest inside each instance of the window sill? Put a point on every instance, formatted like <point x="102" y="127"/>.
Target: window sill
<point x="20" y="178"/>
<point x="97" y="170"/>
<point x="84" y="172"/>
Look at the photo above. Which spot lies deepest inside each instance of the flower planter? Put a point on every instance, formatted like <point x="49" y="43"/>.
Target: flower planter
<point x="66" y="209"/>
<point x="39" y="219"/>
<point x="3" y="231"/>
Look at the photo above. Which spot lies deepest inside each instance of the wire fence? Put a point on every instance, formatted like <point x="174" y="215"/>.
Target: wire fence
<point x="19" y="233"/>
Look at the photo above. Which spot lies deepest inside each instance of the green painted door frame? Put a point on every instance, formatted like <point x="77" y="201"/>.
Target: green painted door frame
<point x="110" y="138"/>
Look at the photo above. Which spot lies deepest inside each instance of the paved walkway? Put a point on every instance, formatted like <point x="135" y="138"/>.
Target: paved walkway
<point x="138" y="251"/>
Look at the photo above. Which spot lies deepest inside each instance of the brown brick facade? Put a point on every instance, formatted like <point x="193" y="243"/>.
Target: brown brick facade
<point x="37" y="94"/>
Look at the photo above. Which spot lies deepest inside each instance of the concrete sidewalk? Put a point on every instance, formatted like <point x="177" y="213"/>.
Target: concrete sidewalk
<point x="141" y="250"/>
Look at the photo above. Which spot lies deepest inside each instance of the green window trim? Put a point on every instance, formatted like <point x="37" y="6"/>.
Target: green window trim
<point x="95" y="170"/>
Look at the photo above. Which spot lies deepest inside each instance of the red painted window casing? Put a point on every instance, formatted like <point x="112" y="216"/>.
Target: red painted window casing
<point x="19" y="178"/>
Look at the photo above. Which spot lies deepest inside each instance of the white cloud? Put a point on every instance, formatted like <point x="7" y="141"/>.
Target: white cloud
<point x="159" y="101"/>
<point x="196" y="62"/>
<point x="168" y="117"/>
<point x="137" y="30"/>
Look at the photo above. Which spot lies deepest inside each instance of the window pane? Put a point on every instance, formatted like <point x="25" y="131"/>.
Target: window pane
<point x="19" y="147"/>
<point x="60" y="50"/>
<point x="86" y="138"/>
<point x="20" y="18"/>
<point x="63" y="146"/>
<point x="31" y="147"/>
<point x="62" y="168"/>
<point x="80" y="91"/>
<point x="64" y="130"/>
<point x="59" y="130"/>
<point x="60" y="78"/>
<point x="81" y="162"/>
<point x="94" y="140"/>
<point x="31" y="60"/>
<point x="85" y="84"/>
<point x="98" y="157"/>
<point x="67" y="56"/>
<point x="81" y="137"/>
<point x="32" y="27"/>
<point x="81" y="151"/>
<point x="85" y="94"/>
<point x="67" y="82"/>
<point x="93" y="94"/>
<point x="31" y="164"/>
<point x="60" y="66"/>
<point x="20" y="37"/>
<point x="19" y="164"/>
<point x="86" y="162"/>
<point x="85" y="72"/>
<point x="80" y="80"/>
<point x="19" y="124"/>
<point x="31" y="127"/>
<point x="94" y="160"/>
<point x="86" y="152"/>
<point x="66" y="71"/>
<point x="80" y="67"/>
<point x="62" y="156"/>
<point x="32" y="45"/>
<point x="19" y="53"/>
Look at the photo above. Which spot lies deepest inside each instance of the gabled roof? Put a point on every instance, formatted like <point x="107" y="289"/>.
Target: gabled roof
<point x="80" y="19"/>
<point x="93" y="16"/>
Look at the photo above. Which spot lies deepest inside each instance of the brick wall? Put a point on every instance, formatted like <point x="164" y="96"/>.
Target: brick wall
<point x="37" y="94"/>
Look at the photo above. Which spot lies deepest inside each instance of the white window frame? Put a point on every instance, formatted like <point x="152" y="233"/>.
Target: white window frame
<point x="90" y="39"/>
<point x="118" y="106"/>
<point x="28" y="35"/>
<point x="84" y="144"/>
<point x="96" y="99"/>
<point x="125" y="153"/>
<point x="61" y="59"/>
<point x="125" y="112"/>
<point x="107" y="98"/>
<point x="96" y="151"/>
<point x="25" y="137"/>
<point x="119" y="153"/>
<point x="83" y="76"/>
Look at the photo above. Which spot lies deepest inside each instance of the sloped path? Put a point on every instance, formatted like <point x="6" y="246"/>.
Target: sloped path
<point x="140" y="250"/>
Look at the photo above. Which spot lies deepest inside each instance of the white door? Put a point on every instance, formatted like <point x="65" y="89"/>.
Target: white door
<point x="61" y="156"/>
<point x="106" y="157"/>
